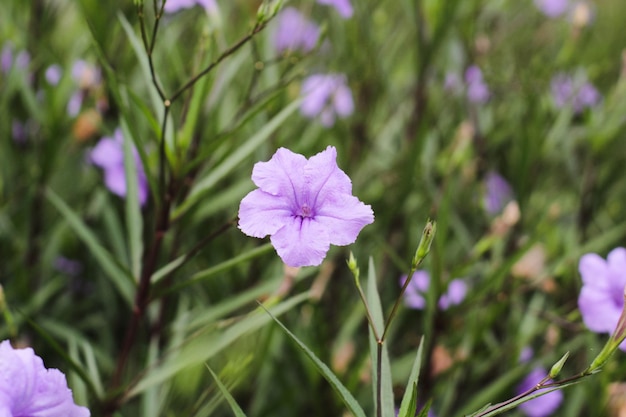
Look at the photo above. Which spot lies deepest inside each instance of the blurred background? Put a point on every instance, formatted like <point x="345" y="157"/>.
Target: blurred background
<point x="502" y="120"/>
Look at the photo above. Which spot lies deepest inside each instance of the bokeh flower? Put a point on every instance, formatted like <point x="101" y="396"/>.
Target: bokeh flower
<point x="108" y="154"/>
<point x="294" y="32"/>
<point x="576" y="92"/>
<point x="415" y="294"/>
<point x="305" y="205"/>
<point x="601" y="298"/>
<point x="541" y="406"/>
<point x="172" y="6"/>
<point x="477" y="90"/>
<point x="326" y="97"/>
<point x="343" y="7"/>
<point x="53" y="74"/>
<point x="27" y="388"/>
<point x="87" y="77"/>
<point x="498" y="193"/>
<point x="552" y="8"/>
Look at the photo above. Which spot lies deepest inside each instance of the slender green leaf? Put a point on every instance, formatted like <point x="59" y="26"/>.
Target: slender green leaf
<point x="323" y="369"/>
<point x="409" y="400"/>
<point x="234" y="159"/>
<point x="200" y="349"/>
<point x="373" y="301"/>
<point x="119" y="277"/>
<point x="134" y="219"/>
<point x="231" y="401"/>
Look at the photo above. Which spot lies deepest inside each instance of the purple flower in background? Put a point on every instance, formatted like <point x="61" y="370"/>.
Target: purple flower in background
<point x="68" y="266"/>
<point x="577" y="92"/>
<point x="552" y="8"/>
<point x="541" y="406"/>
<point x="477" y="90"/>
<point x="295" y="32"/>
<point x="305" y="205"/>
<point x="172" y="6"/>
<point x="53" y="74"/>
<point x="108" y="154"/>
<point x="343" y="7"/>
<point x="27" y="388"/>
<point x="326" y="96"/>
<point x="414" y="296"/>
<point x="6" y="57"/>
<point x="453" y="83"/>
<point x="601" y="298"/>
<point x="19" y="132"/>
<point x="498" y="193"/>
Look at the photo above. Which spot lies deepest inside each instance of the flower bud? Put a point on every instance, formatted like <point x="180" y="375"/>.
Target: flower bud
<point x="424" y="246"/>
<point x="556" y="368"/>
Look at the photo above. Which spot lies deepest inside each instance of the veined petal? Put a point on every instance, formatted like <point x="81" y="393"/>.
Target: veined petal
<point x="343" y="216"/>
<point x="262" y="214"/>
<point x="301" y="242"/>
<point x="324" y="180"/>
<point x="282" y="175"/>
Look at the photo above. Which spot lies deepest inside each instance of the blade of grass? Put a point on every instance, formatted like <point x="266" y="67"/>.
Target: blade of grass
<point x="409" y="399"/>
<point x="119" y="277"/>
<point x="231" y="401"/>
<point x="325" y="371"/>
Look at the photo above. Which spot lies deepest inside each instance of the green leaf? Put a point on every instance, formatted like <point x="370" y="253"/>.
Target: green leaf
<point x="323" y="369"/>
<point x="200" y="349"/>
<point x="134" y="219"/>
<point x="119" y="276"/>
<point x="231" y="401"/>
<point x="373" y="301"/>
<point x="408" y="405"/>
<point x="233" y="160"/>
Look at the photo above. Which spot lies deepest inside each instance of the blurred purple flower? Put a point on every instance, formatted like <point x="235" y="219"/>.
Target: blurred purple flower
<point x="526" y="354"/>
<point x="19" y="132"/>
<point x="326" y="96"/>
<point x="22" y="60"/>
<point x="305" y="205"/>
<point x="108" y="154"/>
<point x="578" y="93"/>
<point x="453" y="83"/>
<point x="294" y="32"/>
<point x="53" y="74"/>
<point x="477" y="90"/>
<point x="552" y="8"/>
<point x="6" y="57"/>
<point x="601" y="298"/>
<point x="541" y="406"/>
<point x="68" y="266"/>
<point x="172" y="6"/>
<point x="86" y="75"/>
<point x="498" y="193"/>
<point x="343" y="7"/>
<point x="27" y="388"/>
<point x="414" y="296"/>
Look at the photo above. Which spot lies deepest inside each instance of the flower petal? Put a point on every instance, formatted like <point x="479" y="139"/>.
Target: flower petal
<point x="301" y="242"/>
<point x="107" y="153"/>
<point x="281" y="175"/>
<point x="344" y="219"/>
<point x="599" y="311"/>
<point x="594" y="271"/>
<point x="262" y="214"/>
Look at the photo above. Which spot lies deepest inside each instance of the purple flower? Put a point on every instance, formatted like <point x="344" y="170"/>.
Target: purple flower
<point x="552" y="8"/>
<point x="498" y="193"/>
<point x="6" y="57"/>
<point x="27" y="388"/>
<point x="577" y="92"/>
<point x="86" y="75"/>
<point x="295" y="32"/>
<point x="601" y="298"/>
<point x="541" y="406"/>
<point x="172" y="6"/>
<point x="343" y="7"/>
<point x="108" y="154"/>
<point x="68" y="266"/>
<point x="305" y="205"/>
<point x="53" y="74"/>
<point x="477" y="90"/>
<point x="414" y="296"/>
<point x="326" y="96"/>
<point x="19" y="131"/>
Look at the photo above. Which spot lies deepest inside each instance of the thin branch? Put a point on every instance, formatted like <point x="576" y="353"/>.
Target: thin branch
<point x="257" y="28"/>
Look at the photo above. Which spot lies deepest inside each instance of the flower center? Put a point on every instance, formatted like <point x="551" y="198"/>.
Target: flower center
<point x="305" y="211"/>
